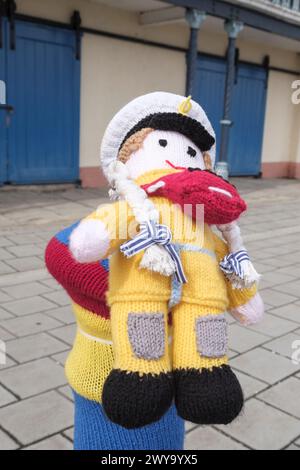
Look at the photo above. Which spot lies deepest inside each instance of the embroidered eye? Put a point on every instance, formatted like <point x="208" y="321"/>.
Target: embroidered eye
<point x="192" y="152"/>
<point x="163" y="142"/>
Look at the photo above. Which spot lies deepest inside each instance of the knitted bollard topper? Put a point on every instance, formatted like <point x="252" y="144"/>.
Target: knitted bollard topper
<point x="158" y="153"/>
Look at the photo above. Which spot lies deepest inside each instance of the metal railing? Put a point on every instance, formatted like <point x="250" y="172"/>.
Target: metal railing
<point x="288" y="10"/>
<point x="289" y="4"/>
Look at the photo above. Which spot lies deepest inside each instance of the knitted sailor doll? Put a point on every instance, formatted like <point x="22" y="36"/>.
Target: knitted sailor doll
<point x="171" y="278"/>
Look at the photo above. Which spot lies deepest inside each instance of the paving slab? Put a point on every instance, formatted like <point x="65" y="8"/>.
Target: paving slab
<point x="284" y="396"/>
<point x="66" y="391"/>
<point x="5" y="241"/>
<point x="22" y="291"/>
<point x="69" y="433"/>
<point x="250" y="386"/>
<point x="26" y="264"/>
<point x="261" y="427"/>
<point x="23" y="251"/>
<point x="288" y="312"/>
<point x="63" y="314"/>
<point x="61" y="357"/>
<point x="4" y="297"/>
<point x="26" y="306"/>
<point x="65" y="333"/>
<point x="33" y="377"/>
<point x="34" y="419"/>
<point x="34" y="347"/>
<point x="5" y="268"/>
<point x="241" y="339"/>
<point x="6" y="397"/>
<point x="52" y="284"/>
<point x="23" y="277"/>
<point x="4" y="314"/>
<point x="287" y="270"/>
<point x="7" y="364"/>
<point x="264" y="365"/>
<point x="276" y="298"/>
<point x="274" y="326"/>
<point x="5" y="254"/>
<point x="205" y="438"/>
<point x="23" y="239"/>
<point x="60" y="298"/>
<point x="292" y="288"/>
<point x="285" y="345"/>
<point x="57" y="442"/>
<point x="6" y="443"/>
<point x="30" y="324"/>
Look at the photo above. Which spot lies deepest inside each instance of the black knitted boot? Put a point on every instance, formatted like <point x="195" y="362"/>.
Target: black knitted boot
<point x="208" y="396"/>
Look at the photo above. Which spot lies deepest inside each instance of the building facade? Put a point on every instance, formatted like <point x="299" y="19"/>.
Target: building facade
<point x="66" y="66"/>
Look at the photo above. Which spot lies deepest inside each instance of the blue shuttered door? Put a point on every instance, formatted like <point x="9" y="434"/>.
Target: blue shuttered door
<point x="248" y="114"/>
<point x="248" y="110"/>
<point x="43" y="86"/>
<point x="3" y="133"/>
<point x="210" y="88"/>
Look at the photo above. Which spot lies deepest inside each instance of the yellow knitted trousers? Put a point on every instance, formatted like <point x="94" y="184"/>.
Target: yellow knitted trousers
<point x="135" y="330"/>
<point x="140" y="388"/>
<point x="187" y="352"/>
<point x="206" y="389"/>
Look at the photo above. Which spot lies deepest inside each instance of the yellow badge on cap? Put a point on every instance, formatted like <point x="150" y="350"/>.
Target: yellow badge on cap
<point x="185" y="107"/>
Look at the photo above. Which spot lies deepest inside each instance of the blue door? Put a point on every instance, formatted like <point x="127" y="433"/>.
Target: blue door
<point x="43" y="86"/>
<point x="248" y="110"/>
<point x="3" y="133"/>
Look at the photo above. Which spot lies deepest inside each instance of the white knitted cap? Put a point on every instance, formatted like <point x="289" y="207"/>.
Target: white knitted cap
<point x="140" y="108"/>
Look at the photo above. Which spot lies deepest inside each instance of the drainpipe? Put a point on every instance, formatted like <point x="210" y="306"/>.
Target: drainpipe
<point x="233" y="28"/>
<point x="194" y="19"/>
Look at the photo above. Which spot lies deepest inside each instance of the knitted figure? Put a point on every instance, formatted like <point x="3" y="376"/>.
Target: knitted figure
<point x="154" y="136"/>
<point x="156" y="269"/>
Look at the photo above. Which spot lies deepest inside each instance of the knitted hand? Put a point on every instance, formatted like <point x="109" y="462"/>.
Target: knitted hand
<point x="250" y="313"/>
<point x="90" y="241"/>
<point x="237" y="265"/>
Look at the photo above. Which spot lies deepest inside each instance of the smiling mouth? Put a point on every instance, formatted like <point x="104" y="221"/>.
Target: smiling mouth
<point x="219" y="190"/>
<point x="174" y="166"/>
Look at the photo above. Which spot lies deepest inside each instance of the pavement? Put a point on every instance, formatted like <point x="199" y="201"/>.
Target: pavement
<point x="37" y="327"/>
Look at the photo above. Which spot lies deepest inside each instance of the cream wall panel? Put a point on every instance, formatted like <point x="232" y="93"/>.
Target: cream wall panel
<point x="295" y="143"/>
<point x="114" y="72"/>
<point x="280" y="119"/>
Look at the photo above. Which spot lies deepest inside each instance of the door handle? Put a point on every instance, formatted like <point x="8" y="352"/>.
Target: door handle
<point x="7" y="108"/>
<point x="9" y="111"/>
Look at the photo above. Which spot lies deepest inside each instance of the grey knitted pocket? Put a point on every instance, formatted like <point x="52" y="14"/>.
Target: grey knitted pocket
<point x="146" y="332"/>
<point x="212" y="336"/>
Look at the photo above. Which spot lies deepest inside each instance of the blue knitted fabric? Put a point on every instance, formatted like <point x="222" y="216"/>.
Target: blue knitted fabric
<point x="93" y="431"/>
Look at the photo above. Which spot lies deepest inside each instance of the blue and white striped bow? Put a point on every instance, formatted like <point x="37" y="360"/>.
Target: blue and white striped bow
<point x="154" y="234"/>
<point x="231" y="264"/>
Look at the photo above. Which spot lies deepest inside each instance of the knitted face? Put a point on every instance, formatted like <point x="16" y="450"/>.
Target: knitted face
<point x="164" y="149"/>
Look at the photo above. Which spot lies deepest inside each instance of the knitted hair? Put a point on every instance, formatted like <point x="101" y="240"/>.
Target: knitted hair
<point x="155" y="258"/>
